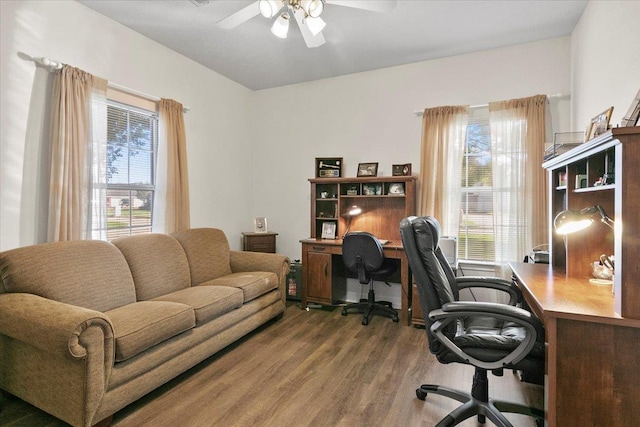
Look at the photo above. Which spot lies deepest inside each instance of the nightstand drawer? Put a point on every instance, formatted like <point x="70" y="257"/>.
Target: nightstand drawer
<point x="259" y="242"/>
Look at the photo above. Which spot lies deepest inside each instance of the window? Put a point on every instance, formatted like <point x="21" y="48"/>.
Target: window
<point x="132" y="140"/>
<point x="476" y="234"/>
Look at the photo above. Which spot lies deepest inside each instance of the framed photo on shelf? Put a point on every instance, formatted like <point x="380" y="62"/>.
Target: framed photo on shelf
<point x="599" y="124"/>
<point x="396" y="188"/>
<point x="372" y="189"/>
<point x="260" y="224"/>
<point x="329" y="230"/>
<point x="367" y="169"/>
<point x="631" y="118"/>
<point x="401" y="170"/>
<point x="328" y="167"/>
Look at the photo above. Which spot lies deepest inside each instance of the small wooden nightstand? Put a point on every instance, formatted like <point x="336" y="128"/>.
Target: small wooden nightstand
<point x="259" y="242"/>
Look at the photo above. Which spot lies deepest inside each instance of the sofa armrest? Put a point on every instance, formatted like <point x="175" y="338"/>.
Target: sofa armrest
<point x="48" y="345"/>
<point x="53" y="326"/>
<point x="261" y="261"/>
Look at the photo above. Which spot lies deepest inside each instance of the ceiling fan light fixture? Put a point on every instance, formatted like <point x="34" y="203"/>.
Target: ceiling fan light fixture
<point x="315" y="25"/>
<point x="269" y="8"/>
<point x="312" y="8"/>
<point x="280" y="27"/>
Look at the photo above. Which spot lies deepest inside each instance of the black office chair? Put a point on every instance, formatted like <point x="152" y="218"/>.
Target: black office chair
<point x="489" y="336"/>
<point x="362" y="255"/>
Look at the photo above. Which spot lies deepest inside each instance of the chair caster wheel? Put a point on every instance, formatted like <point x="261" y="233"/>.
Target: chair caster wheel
<point x="395" y="319"/>
<point x="421" y="394"/>
<point x="344" y="311"/>
<point x="539" y="422"/>
<point x="365" y="321"/>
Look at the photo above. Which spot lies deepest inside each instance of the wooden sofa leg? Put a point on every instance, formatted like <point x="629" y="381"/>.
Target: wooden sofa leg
<point x="104" y="423"/>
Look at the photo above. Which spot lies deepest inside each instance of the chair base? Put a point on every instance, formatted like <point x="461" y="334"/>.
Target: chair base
<point x="478" y="405"/>
<point x="371" y="306"/>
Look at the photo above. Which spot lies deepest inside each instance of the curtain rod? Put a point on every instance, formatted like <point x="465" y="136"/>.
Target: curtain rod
<point x="53" y="65"/>
<point x="140" y="94"/>
<point x="472" y="107"/>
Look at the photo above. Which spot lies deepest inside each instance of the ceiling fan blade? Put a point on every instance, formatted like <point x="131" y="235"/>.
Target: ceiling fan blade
<point x="307" y="35"/>
<point x="241" y="16"/>
<point x="383" y="6"/>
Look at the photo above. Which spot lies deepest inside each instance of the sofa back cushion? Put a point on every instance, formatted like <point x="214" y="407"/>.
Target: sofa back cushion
<point x="158" y="264"/>
<point x="87" y="273"/>
<point x="208" y="253"/>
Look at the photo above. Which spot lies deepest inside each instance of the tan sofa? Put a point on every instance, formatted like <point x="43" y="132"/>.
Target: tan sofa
<point x="87" y="327"/>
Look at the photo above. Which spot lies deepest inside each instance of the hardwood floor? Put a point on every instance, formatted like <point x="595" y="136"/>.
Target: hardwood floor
<point x="314" y="368"/>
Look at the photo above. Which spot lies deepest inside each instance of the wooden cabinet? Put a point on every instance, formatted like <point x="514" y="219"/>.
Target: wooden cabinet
<point x="606" y="172"/>
<point x="259" y="242"/>
<point x="324" y="274"/>
<point x="384" y="201"/>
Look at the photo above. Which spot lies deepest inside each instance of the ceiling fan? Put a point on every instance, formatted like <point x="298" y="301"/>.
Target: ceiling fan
<point x="306" y="13"/>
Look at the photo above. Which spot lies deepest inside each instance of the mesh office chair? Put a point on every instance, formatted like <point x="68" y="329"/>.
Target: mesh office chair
<point x="362" y="255"/>
<point x="488" y="336"/>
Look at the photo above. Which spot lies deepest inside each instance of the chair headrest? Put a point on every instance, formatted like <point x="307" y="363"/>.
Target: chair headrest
<point x="362" y="247"/>
<point x="434" y="228"/>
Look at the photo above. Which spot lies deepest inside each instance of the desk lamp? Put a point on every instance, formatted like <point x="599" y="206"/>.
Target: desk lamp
<point x="569" y="221"/>
<point x="353" y="211"/>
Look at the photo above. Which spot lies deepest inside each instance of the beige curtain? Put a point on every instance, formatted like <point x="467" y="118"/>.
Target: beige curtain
<point x="70" y="193"/>
<point x="443" y="139"/>
<point x="172" y="191"/>
<point x="519" y="182"/>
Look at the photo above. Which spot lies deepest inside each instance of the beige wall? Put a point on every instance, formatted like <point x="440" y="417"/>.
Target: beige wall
<point x="219" y="146"/>
<point x="605" y="60"/>
<point x="369" y="117"/>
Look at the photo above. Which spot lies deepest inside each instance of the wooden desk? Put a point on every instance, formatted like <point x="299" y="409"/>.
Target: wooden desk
<point x="323" y="275"/>
<point x="592" y="376"/>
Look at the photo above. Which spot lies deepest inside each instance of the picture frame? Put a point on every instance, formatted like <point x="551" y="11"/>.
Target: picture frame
<point x="401" y="170"/>
<point x="328" y="167"/>
<point x="367" y="169"/>
<point x="631" y="118"/>
<point x="329" y="230"/>
<point x="396" y="188"/>
<point x="599" y="124"/>
<point x="260" y="224"/>
<point x="372" y="189"/>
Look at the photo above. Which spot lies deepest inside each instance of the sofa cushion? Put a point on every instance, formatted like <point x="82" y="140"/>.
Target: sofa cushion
<point x="208" y="302"/>
<point x="87" y="273"/>
<point x="253" y="284"/>
<point x="158" y="264"/>
<point x="208" y="253"/>
<point x="142" y="325"/>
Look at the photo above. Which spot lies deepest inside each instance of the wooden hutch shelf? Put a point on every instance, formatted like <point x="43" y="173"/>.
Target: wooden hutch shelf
<point x="604" y="171"/>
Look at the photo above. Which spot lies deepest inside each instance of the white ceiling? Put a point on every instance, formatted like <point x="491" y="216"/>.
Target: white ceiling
<point x="357" y="40"/>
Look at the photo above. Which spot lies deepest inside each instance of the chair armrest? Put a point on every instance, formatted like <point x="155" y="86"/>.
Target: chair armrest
<point x="52" y="326"/>
<point x="510" y="288"/>
<point x="454" y="311"/>
<point x="262" y="261"/>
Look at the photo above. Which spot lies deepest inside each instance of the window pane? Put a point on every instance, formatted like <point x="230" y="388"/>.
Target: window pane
<point x="132" y="142"/>
<point x="476" y="235"/>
